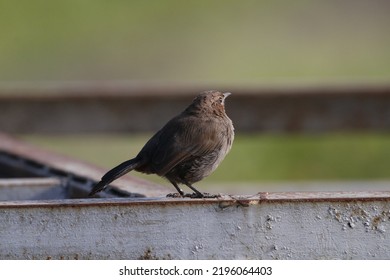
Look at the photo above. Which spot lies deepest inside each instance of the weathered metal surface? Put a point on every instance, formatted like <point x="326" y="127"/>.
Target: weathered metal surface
<point x="264" y="226"/>
<point x="21" y="160"/>
<point x="105" y="107"/>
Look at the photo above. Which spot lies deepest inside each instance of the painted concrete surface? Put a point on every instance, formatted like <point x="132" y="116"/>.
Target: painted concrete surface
<point x="264" y="226"/>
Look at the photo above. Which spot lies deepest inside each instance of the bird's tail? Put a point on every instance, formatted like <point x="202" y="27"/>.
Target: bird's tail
<point x="115" y="173"/>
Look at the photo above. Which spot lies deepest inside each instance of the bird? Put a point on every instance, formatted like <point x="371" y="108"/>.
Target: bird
<point x="187" y="149"/>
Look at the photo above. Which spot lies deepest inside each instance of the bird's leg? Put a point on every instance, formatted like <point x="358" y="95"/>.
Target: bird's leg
<point x="198" y="193"/>
<point x="180" y="191"/>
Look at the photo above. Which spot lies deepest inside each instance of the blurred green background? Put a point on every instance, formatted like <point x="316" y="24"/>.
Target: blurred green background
<point x="227" y="42"/>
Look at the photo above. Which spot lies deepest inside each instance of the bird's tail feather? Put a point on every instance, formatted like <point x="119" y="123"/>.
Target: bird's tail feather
<point x="115" y="173"/>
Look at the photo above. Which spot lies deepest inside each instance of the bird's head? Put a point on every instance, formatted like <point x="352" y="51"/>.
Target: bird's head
<point x="210" y="101"/>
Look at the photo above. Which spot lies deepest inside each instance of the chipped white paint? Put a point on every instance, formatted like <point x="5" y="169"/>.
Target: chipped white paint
<point x="278" y="226"/>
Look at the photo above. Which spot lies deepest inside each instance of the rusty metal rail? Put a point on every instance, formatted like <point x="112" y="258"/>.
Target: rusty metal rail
<point x="125" y="107"/>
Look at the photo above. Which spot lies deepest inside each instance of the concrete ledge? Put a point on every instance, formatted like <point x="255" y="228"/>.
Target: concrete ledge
<point x="264" y="226"/>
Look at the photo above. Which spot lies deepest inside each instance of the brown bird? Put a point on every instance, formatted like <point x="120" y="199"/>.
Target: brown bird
<point x="187" y="149"/>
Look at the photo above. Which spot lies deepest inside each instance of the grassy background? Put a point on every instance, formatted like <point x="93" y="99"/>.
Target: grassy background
<point x="254" y="158"/>
<point x="220" y="40"/>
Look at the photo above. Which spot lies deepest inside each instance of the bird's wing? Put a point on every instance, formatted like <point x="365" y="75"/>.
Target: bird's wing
<point x="179" y="140"/>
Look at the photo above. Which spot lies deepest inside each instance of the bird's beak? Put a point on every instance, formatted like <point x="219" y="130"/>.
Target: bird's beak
<point x="226" y="94"/>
